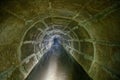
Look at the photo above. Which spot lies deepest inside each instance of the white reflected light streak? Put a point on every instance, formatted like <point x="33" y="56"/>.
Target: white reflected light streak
<point x="53" y="72"/>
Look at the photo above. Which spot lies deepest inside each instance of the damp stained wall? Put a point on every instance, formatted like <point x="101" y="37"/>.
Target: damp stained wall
<point x="94" y="30"/>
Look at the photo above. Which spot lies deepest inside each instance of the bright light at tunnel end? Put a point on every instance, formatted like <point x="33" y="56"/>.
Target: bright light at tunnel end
<point x="51" y="40"/>
<point x="49" y="36"/>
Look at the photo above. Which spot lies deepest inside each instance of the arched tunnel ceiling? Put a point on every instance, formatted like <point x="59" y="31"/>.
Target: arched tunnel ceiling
<point x="90" y="27"/>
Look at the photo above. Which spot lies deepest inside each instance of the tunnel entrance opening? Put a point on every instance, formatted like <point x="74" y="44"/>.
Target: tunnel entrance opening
<point x="40" y="37"/>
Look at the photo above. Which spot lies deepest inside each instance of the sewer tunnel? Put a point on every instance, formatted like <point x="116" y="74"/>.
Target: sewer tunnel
<point x="88" y="30"/>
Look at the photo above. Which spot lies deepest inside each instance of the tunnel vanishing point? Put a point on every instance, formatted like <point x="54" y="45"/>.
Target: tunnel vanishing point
<point x="60" y="40"/>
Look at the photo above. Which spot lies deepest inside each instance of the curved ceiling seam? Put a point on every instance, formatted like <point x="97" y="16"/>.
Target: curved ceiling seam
<point x="77" y="38"/>
<point x="19" y="48"/>
<point x="14" y="14"/>
<point x="102" y="14"/>
<point x="107" y="69"/>
<point x="78" y="52"/>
